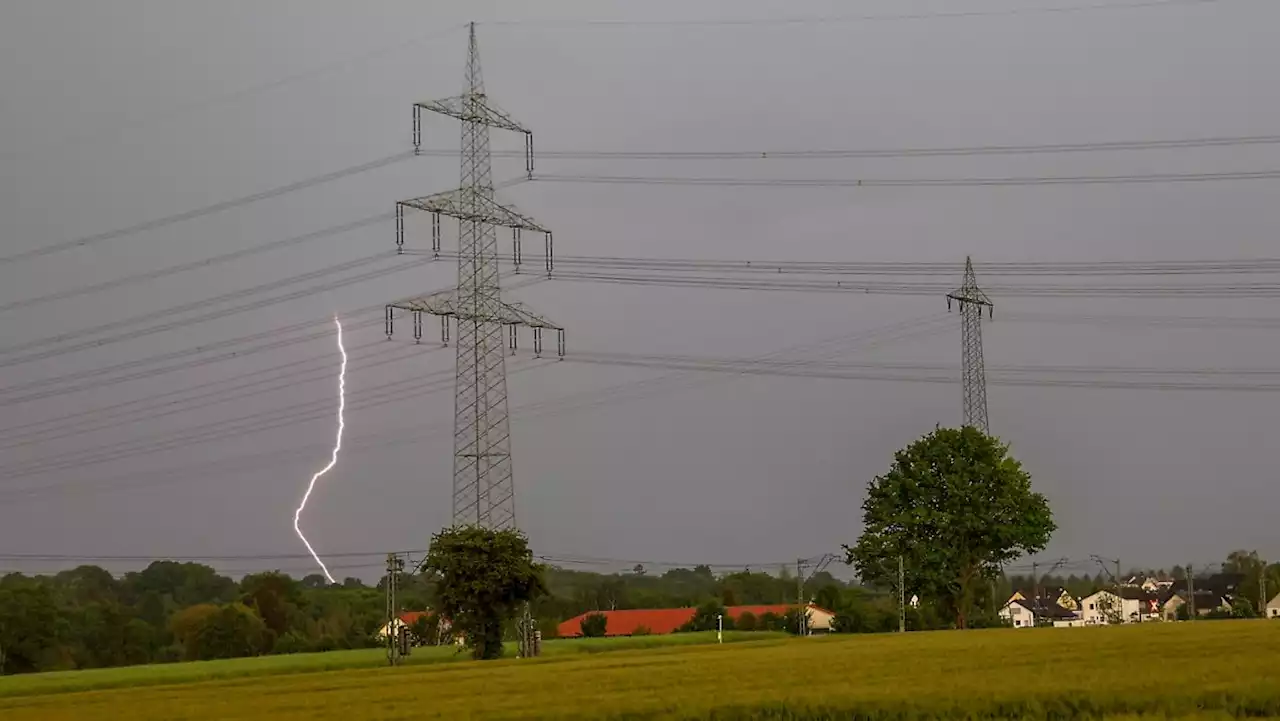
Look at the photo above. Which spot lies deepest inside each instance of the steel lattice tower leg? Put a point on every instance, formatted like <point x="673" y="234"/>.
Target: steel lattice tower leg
<point x="483" y="487"/>
<point x="973" y="373"/>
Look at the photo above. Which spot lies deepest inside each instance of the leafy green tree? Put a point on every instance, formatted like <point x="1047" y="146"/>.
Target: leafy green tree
<point x="956" y="507"/>
<point x="1243" y="608"/>
<point x="828" y="597"/>
<point x="795" y="620"/>
<point x="770" y="621"/>
<point x="28" y="626"/>
<point x="425" y="630"/>
<point x="708" y="617"/>
<point x="185" y="627"/>
<point x="594" y="625"/>
<point x="1249" y="565"/>
<point x="482" y="578"/>
<point x="232" y="631"/>
<point x="314" y="581"/>
<point x="746" y="621"/>
<point x="274" y="596"/>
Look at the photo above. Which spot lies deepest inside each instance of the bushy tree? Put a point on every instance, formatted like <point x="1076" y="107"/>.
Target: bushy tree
<point x="955" y="506"/>
<point x="233" y="631"/>
<point x="708" y="617"/>
<point x="274" y="596"/>
<point x="770" y="621"/>
<point x="746" y="621"/>
<point x="483" y="577"/>
<point x="594" y="625"/>
<point x="795" y="620"/>
<point x="425" y="630"/>
<point x="185" y="627"/>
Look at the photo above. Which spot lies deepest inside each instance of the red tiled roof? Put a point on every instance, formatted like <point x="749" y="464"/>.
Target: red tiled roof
<point x="409" y="618"/>
<point x="660" y="620"/>
<point x="625" y="623"/>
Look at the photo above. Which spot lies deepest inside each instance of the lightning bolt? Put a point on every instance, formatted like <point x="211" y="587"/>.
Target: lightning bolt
<point x="337" y="446"/>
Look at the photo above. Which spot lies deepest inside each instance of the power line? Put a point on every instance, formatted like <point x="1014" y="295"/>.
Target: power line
<point x="573" y="402"/>
<point x="1264" y="265"/>
<point x="230" y="572"/>
<point x="802" y="372"/>
<point x="204" y="210"/>
<point x="61" y="389"/>
<point x="1145" y="321"/>
<point x="900" y="152"/>
<point x="253" y="461"/>
<point x="300" y="411"/>
<point x="230" y="428"/>
<point x="211" y="315"/>
<point x="156" y="400"/>
<point x="835" y="19"/>
<point x="60" y="384"/>
<point x="1029" y="180"/>
<point x="607" y="357"/>
<point x="182" y="559"/>
<point x="1223" y="290"/>
<point x="89" y="422"/>
<point x="197" y="264"/>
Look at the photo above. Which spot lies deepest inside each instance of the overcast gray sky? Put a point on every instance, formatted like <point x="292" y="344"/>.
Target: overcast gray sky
<point x="112" y="114"/>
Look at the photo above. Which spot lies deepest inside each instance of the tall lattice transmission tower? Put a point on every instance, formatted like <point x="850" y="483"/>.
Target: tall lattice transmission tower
<point x="973" y="373"/>
<point x="483" y="489"/>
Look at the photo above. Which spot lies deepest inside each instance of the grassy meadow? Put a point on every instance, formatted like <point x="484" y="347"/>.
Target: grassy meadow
<point x="1210" y="670"/>
<point x="183" y="673"/>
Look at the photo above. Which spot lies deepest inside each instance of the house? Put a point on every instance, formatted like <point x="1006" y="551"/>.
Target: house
<point x="1206" y="602"/>
<point x="1028" y="613"/>
<point x="1140" y="605"/>
<point x="1273" y="607"/>
<point x="669" y="620"/>
<point x="1102" y="608"/>
<point x="1130" y="605"/>
<point x="1146" y="583"/>
<point x="1223" y="585"/>
<point x="1059" y="596"/>
<point x="1019" y="613"/>
<point x="405" y="620"/>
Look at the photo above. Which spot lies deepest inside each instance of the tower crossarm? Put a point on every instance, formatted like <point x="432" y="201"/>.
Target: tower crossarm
<point x="474" y="108"/>
<point x="446" y="303"/>
<point x="969" y="293"/>
<point x="464" y="204"/>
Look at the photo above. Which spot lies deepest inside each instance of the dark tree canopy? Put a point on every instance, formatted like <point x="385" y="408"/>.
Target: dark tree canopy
<point x="955" y="506"/>
<point x="594" y="625"/>
<point x="482" y="578"/>
<point x="709" y="617"/>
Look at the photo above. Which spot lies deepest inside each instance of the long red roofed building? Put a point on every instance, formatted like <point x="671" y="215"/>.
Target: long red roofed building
<point x="669" y="620"/>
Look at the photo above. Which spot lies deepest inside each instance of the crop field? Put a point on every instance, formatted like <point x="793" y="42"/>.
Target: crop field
<point x="180" y="673"/>
<point x="1210" y="670"/>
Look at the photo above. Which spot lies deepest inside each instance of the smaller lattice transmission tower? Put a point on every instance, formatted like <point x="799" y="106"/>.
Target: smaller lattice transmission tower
<point x="973" y="372"/>
<point x="483" y="488"/>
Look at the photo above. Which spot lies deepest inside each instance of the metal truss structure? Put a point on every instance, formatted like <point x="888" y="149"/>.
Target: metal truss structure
<point x="973" y="372"/>
<point x="483" y="488"/>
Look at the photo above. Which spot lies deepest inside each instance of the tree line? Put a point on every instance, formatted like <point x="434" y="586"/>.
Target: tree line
<point x="951" y="512"/>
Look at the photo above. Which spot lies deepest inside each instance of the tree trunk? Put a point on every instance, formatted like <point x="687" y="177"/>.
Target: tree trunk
<point x="965" y="598"/>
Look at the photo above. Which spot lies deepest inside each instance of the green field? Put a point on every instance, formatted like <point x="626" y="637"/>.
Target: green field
<point x="183" y="673"/>
<point x="1225" y="669"/>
